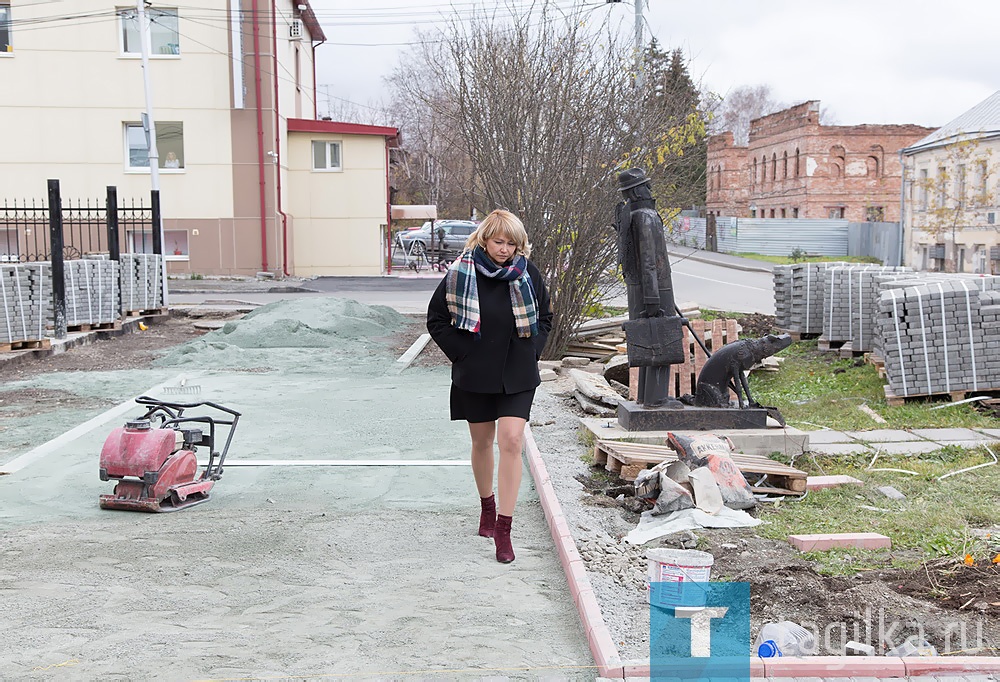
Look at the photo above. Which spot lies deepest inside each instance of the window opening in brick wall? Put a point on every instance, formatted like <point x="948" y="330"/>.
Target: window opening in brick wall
<point x="797" y="167"/>
<point x="795" y="212"/>
<point x="774" y="166"/>
<point x="836" y="212"/>
<point x="783" y="213"/>
<point x="772" y="212"/>
<point x="763" y="169"/>
<point x="875" y="214"/>
<point x="784" y="163"/>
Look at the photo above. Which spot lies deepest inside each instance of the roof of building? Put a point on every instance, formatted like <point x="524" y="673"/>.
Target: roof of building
<point x="311" y="22"/>
<point x="982" y="120"/>
<point x="308" y="125"/>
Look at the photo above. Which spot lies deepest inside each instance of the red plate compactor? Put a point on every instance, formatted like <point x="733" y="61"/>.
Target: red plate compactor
<point x="154" y="458"/>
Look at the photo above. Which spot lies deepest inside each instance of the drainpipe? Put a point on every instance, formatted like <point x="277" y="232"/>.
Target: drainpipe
<point x="388" y="212"/>
<point x="315" y="110"/>
<point x="260" y="135"/>
<point x="277" y="144"/>
<point x="902" y="206"/>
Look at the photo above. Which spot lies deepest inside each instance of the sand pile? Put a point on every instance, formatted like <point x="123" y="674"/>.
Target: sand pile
<point x="332" y="323"/>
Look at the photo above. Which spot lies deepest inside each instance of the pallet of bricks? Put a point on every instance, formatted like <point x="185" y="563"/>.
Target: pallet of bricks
<point x="25" y="305"/>
<point x="850" y="305"/>
<point x="798" y="298"/>
<point x="91" y="293"/>
<point x="939" y="336"/>
<point x="141" y="281"/>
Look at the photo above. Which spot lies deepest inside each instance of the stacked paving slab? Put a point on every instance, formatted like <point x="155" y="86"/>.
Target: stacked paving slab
<point x="91" y="291"/>
<point x="939" y="334"/>
<point x="798" y="297"/>
<point x="25" y="301"/>
<point x="141" y="281"/>
<point x="850" y="302"/>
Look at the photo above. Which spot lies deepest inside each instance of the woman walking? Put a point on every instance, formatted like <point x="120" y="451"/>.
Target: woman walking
<point x="490" y="316"/>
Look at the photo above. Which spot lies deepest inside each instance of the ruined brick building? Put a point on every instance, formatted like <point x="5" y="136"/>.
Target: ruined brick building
<point x="793" y="167"/>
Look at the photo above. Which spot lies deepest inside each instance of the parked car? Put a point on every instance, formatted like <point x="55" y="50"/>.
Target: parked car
<point x="449" y="235"/>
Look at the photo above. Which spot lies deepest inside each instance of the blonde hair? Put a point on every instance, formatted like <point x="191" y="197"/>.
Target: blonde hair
<point x="503" y="223"/>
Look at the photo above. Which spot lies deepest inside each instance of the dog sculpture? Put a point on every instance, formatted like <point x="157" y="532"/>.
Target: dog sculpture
<point x="728" y="366"/>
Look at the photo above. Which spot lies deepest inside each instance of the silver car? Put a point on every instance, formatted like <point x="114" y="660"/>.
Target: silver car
<point x="449" y="236"/>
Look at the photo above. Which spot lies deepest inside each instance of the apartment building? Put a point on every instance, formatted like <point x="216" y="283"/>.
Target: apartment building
<point x="249" y="180"/>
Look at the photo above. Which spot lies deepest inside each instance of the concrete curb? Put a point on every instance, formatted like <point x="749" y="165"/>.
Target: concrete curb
<point x="608" y="658"/>
<point x="602" y="646"/>
<point x="696" y="256"/>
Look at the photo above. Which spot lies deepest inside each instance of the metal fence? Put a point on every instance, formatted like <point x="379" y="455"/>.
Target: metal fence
<point x="54" y="231"/>
<point x="781" y="237"/>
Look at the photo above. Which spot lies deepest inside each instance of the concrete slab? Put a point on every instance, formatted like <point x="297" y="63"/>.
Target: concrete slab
<point x="909" y="448"/>
<point x="827" y="436"/>
<point x="882" y="436"/>
<point x="841" y="449"/>
<point x="821" y="482"/>
<point x="992" y="433"/>
<point x="944" y="435"/>
<point x="788" y="441"/>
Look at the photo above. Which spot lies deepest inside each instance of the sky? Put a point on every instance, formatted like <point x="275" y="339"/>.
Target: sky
<point x="868" y="61"/>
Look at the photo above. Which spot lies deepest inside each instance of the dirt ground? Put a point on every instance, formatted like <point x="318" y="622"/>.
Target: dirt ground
<point x="957" y="608"/>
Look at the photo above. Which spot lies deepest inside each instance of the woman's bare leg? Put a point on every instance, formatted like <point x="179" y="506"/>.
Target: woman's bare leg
<point x="510" y="436"/>
<point x="483" y="434"/>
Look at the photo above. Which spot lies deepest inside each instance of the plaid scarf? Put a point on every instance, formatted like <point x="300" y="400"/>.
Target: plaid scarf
<point x="462" y="295"/>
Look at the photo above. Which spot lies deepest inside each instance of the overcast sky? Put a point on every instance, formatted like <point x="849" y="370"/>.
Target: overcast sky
<point x="868" y="61"/>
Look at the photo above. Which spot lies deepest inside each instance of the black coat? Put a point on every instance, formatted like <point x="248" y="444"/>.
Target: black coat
<point x="499" y="361"/>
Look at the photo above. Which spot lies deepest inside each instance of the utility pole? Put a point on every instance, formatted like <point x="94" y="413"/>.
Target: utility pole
<point x="149" y="126"/>
<point x="639" y="79"/>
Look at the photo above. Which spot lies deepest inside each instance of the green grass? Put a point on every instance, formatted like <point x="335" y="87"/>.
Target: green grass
<point x="815" y="389"/>
<point x="935" y="520"/>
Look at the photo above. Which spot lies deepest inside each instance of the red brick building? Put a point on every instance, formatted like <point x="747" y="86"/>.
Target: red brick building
<point x="793" y="167"/>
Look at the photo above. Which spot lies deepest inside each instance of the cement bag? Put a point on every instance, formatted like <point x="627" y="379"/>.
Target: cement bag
<point x="692" y="450"/>
<point x="673" y="497"/>
<point x="647" y="483"/>
<point x="714" y="452"/>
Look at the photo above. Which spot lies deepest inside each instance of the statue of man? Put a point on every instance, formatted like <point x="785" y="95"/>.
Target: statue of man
<point x="642" y="253"/>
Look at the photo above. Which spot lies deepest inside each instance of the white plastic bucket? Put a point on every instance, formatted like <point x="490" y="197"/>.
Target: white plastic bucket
<point x="669" y="569"/>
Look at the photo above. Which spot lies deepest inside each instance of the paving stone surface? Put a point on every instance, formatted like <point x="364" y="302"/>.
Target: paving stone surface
<point x="941" y="435"/>
<point x="883" y="436"/>
<point x="909" y="448"/>
<point x="840" y="448"/>
<point x="825" y="436"/>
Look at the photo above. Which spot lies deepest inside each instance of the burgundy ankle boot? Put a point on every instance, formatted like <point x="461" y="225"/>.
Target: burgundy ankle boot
<point x="505" y="552"/>
<point x="488" y="516"/>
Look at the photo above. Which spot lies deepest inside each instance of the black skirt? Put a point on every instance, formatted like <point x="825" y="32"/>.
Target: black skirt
<point x="488" y="407"/>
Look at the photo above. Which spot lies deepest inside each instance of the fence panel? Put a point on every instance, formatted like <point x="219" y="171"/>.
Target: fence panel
<point x="880" y="240"/>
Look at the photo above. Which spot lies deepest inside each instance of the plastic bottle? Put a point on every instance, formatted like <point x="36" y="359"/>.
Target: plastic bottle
<point x="784" y="639"/>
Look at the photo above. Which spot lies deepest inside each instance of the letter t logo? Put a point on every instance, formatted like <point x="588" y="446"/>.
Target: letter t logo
<point x="701" y="627"/>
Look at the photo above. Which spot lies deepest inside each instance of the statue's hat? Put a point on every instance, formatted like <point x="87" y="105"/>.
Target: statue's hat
<point x="633" y="177"/>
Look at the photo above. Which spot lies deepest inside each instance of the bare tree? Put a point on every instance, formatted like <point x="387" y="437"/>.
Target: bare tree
<point x="741" y="105"/>
<point x="545" y="109"/>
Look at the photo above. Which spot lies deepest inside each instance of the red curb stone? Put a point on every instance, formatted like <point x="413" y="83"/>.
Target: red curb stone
<point x="636" y="669"/>
<point x="602" y="646"/>
<point x="834" y="666"/>
<point x="944" y="665"/>
<point x="822" y="541"/>
<point x="820" y="482"/>
<point x="756" y="667"/>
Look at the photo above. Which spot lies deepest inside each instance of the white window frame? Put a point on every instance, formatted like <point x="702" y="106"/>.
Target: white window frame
<point x="160" y="148"/>
<point x="8" y="25"/>
<point x="155" y="51"/>
<point x="329" y="144"/>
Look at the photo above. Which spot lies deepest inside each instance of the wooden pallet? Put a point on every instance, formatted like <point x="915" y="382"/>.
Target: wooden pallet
<point x="37" y="344"/>
<point x="799" y="335"/>
<point x="894" y="400"/>
<point x="148" y="312"/>
<point x="628" y="459"/>
<point x="715" y="334"/>
<point x="95" y="327"/>
<point x="877" y="362"/>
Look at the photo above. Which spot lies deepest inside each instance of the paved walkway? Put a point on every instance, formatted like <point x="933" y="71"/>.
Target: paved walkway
<point x="899" y="441"/>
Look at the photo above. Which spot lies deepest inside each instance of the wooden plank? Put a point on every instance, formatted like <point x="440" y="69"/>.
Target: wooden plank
<point x="36" y="344"/>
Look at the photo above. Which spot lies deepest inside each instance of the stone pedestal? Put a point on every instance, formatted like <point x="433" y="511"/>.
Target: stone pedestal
<point x="635" y="417"/>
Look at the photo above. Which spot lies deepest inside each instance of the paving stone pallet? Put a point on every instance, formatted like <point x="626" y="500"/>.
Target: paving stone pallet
<point x="25" y="302"/>
<point x="850" y="298"/>
<point x="141" y="281"/>
<point x="91" y="292"/>
<point x="798" y="297"/>
<point x="939" y="337"/>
